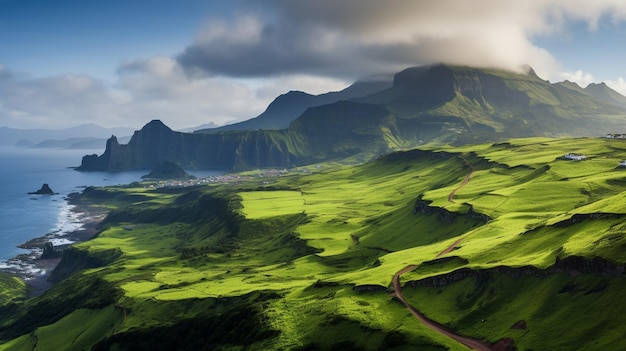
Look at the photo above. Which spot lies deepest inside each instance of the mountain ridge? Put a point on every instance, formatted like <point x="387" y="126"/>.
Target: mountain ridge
<point x="439" y="104"/>
<point x="287" y="107"/>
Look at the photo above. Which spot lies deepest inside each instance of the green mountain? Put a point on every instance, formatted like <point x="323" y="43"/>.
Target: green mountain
<point x="599" y="91"/>
<point x="437" y="104"/>
<point x="167" y="171"/>
<point x="287" y="107"/>
<point x="606" y="94"/>
<point x="508" y="244"/>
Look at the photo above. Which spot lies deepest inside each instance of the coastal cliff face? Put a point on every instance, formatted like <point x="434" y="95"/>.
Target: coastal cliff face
<point x="156" y="143"/>
<point x="433" y="104"/>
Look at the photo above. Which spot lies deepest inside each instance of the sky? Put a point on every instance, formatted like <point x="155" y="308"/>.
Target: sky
<point x="122" y="63"/>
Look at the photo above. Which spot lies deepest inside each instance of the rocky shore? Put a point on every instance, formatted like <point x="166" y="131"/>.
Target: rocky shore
<point x="35" y="270"/>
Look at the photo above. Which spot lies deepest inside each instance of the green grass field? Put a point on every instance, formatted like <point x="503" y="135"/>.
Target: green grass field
<point x="309" y="257"/>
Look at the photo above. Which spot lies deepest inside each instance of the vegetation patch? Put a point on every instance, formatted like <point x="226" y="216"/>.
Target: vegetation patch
<point x="306" y="261"/>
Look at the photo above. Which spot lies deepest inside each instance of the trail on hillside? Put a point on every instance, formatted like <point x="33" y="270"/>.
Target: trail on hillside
<point x="450" y="248"/>
<point x="464" y="182"/>
<point x="451" y="199"/>
<point x="469" y="342"/>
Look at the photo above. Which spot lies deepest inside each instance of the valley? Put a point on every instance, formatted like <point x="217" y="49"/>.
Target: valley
<point x="527" y="253"/>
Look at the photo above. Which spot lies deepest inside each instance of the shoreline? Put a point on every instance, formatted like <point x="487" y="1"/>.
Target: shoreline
<point x="34" y="270"/>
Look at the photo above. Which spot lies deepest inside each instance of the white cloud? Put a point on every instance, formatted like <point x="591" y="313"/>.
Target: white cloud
<point x="352" y="38"/>
<point x="155" y="88"/>
<point x="618" y="85"/>
<point x="236" y="66"/>
<point x="579" y="77"/>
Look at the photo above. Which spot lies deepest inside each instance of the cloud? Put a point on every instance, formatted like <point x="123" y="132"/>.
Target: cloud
<point x="4" y="72"/>
<point x="352" y="38"/>
<point x="236" y="66"/>
<point x="50" y="101"/>
<point x="579" y="77"/>
<point x="155" y="88"/>
<point x="160" y="89"/>
<point x="618" y="85"/>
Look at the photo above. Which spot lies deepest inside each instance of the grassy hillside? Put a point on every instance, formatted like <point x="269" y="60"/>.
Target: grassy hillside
<point x="509" y="240"/>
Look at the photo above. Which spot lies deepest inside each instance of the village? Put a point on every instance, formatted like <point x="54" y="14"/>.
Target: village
<point x="266" y="175"/>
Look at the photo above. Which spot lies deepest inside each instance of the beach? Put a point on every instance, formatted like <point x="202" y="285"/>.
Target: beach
<point x="80" y="223"/>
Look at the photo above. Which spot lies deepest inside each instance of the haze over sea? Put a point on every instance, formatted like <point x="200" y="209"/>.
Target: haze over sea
<point x="23" y="216"/>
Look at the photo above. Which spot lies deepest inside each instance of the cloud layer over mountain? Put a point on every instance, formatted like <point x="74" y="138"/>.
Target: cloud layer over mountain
<point x="240" y="60"/>
<point x="355" y="37"/>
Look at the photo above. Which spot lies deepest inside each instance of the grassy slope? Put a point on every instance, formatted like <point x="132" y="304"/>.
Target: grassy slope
<point x="12" y="289"/>
<point x="288" y="255"/>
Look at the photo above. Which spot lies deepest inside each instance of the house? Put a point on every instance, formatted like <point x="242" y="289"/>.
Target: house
<point x="574" y="157"/>
<point x="615" y="136"/>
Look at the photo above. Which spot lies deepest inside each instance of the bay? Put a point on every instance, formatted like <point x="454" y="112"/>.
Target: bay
<point x="23" y="216"/>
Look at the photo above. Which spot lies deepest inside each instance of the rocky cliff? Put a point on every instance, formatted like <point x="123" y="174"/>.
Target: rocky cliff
<point x="156" y="143"/>
<point x="431" y="104"/>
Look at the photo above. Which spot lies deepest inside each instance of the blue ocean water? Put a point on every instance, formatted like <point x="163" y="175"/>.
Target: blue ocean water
<point x="23" y="216"/>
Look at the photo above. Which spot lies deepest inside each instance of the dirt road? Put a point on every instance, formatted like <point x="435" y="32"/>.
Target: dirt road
<point x="464" y="182"/>
<point x="469" y="342"/>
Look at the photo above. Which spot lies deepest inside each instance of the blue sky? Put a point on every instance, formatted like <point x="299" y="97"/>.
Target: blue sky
<point x="44" y="38"/>
<point x="190" y="62"/>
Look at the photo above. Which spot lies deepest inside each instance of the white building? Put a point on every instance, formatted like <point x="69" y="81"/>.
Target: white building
<point x="574" y="157"/>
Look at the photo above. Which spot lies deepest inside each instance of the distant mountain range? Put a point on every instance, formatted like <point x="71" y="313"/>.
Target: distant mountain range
<point x="85" y="136"/>
<point x="428" y="104"/>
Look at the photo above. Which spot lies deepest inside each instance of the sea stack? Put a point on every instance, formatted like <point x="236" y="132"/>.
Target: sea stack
<point x="45" y="190"/>
<point x="49" y="252"/>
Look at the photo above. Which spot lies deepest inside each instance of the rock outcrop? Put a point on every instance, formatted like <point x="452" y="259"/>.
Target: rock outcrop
<point x="45" y="190"/>
<point x="49" y="252"/>
<point x="569" y="265"/>
<point x="156" y="143"/>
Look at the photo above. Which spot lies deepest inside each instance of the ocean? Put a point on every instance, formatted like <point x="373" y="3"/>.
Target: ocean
<point x="23" y="216"/>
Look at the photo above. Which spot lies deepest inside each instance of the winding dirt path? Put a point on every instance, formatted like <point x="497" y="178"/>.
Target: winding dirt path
<point x="450" y="248"/>
<point x="441" y="329"/>
<point x="469" y="342"/>
<point x="451" y="199"/>
<point x="464" y="182"/>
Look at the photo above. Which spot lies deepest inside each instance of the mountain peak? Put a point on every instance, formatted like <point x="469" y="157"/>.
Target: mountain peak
<point x="155" y="124"/>
<point x="606" y="94"/>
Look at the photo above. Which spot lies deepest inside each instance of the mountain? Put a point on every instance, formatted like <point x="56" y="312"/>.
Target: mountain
<point x="287" y="107"/>
<point x="438" y="104"/>
<point x="32" y="137"/>
<point x="487" y="104"/>
<point x="167" y="170"/>
<point x="600" y="91"/>
<point x="209" y="125"/>
<point x="156" y="143"/>
<point x="606" y="94"/>
<point x="573" y="86"/>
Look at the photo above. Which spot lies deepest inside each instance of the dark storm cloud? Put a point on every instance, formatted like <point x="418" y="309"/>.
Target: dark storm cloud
<point x="351" y="38"/>
<point x="251" y="48"/>
<point x="348" y="38"/>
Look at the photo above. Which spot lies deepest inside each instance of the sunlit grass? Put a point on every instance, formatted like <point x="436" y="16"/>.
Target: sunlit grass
<point x="314" y="239"/>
